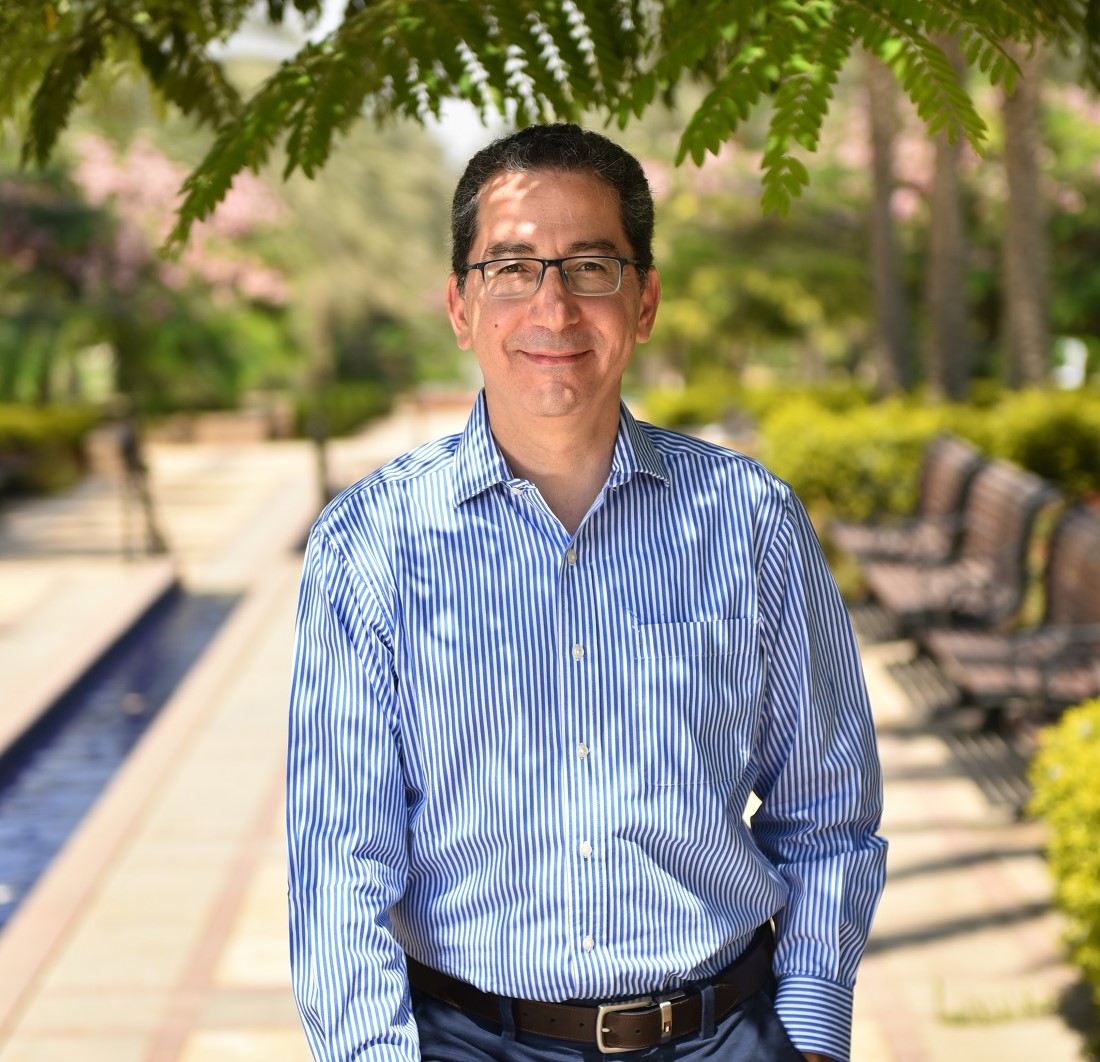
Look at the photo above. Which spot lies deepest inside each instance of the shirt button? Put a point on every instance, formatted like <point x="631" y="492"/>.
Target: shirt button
<point x="582" y="750"/>
<point x="578" y="651"/>
<point x="588" y="943"/>
<point x="571" y="556"/>
<point x="517" y="488"/>
<point x="586" y="849"/>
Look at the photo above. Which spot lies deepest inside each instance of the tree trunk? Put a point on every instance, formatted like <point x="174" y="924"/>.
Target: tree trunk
<point x="947" y="346"/>
<point x="893" y="352"/>
<point x="49" y="339"/>
<point x="1025" y="325"/>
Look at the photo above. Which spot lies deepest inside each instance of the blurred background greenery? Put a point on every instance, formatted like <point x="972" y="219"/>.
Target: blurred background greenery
<point x="293" y="288"/>
<point x="833" y="342"/>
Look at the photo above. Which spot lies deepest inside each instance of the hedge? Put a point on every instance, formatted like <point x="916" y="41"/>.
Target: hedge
<point x="1056" y="434"/>
<point x="42" y="447"/>
<point x="345" y="407"/>
<point x="861" y="460"/>
<point x="864" y="463"/>
<point x="1065" y="774"/>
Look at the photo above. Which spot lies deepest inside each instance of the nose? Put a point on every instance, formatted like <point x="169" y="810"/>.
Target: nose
<point x="554" y="304"/>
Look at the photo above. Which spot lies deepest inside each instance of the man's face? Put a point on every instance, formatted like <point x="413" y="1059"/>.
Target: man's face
<point x="551" y="354"/>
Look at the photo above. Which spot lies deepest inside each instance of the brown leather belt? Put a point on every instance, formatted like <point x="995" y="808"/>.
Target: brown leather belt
<point x="613" y="1028"/>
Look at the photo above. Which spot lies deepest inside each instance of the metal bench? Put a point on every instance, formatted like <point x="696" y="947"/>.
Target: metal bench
<point x="1053" y="664"/>
<point x="984" y="585"/>
<point x="934" y="532"/>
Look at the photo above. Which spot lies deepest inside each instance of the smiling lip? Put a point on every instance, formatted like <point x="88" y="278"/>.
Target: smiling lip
<point x="541" y="357"/>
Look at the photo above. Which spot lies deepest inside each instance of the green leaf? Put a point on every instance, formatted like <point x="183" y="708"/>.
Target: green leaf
<point x="61" y="84"/>
<point x="189" y="78"/>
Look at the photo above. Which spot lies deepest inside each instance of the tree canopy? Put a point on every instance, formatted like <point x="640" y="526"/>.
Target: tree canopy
<point x="529" y="60"/>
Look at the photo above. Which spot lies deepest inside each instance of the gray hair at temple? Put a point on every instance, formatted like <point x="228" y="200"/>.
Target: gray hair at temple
<point x="558" y="146"/>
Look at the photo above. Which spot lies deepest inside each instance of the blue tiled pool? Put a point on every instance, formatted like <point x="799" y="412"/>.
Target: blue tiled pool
<point x="54" y="775"/>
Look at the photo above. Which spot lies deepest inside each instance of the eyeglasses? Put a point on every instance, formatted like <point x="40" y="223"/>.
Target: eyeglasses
<point x="582" y="274"/>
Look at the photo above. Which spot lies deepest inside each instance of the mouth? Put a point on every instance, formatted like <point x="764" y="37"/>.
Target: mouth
<point x="554" y="357"/>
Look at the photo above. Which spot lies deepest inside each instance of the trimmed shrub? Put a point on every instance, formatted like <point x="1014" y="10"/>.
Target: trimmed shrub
<point x="342" y="408"/>
<point x="715" y="397"/>
<point x="1055" y="434"/>
<point x="1065" y="774"/>
<point x="681" y="410"/>
<point x="861" y="460"/>
<point x="708" y="399"/>
<point x="863" y="463"/>
<point x="837" y="396"/>
<point x="42" y="447"/>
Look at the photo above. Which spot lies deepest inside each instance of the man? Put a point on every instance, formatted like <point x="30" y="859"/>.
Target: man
<point x="541" y="668"/>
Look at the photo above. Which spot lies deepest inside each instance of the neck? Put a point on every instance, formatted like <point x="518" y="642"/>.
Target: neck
<point x="567" y="458"/>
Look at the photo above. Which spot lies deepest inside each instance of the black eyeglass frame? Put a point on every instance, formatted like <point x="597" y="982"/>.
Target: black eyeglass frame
<point x="546" y="263"/>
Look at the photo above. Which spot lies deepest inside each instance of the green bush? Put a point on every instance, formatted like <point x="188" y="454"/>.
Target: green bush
<point x="861" y="460"/>
<point x="714" y="396"/>
<point x="863" y="463"/>
<point x="1055" y="434"/>
<point x="341" y="408"/>
<point x="842" y="395"/>
<point x="1065" y="774"/>
<point x="42" y="447"/>
<point x="707" y="399"/>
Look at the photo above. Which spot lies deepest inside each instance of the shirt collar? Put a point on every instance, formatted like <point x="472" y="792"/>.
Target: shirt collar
<point x="635" y="452"/>
<point x="479" y="464"/>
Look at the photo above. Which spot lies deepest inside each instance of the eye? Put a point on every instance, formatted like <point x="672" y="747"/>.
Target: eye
<point x="515" y="267"/>
<point x="596" y="266"/>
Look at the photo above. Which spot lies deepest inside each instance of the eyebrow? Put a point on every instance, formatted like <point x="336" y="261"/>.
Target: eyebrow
<point x="522" y="249"/>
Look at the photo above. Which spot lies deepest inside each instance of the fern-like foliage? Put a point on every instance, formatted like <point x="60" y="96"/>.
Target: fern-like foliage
<point x="190" y="79"/>
<point x="53" y="101"/>
<point x="793" y="50"/>
<point x="529" y="60"/>
<point x="51" y="49"/>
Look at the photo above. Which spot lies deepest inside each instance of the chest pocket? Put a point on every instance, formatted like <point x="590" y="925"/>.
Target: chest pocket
<point x="698" y="692"/>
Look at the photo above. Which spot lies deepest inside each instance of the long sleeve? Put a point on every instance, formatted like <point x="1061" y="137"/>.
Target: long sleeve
<point x="523" y="756"/>
<point x="346" y="820"/>
<point x="821" y="789"/>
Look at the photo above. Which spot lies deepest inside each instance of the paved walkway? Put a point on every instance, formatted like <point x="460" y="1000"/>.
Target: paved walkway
<point x="158" y="934"/>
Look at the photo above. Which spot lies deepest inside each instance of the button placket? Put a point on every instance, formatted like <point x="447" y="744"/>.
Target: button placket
<point x="580" y="698"/>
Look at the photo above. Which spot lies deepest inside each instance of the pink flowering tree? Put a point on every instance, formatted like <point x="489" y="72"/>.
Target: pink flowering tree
<point x="82" y="269"/>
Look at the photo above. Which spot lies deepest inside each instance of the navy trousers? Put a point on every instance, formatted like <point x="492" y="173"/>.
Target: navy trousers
<point x="751" y="1032"/>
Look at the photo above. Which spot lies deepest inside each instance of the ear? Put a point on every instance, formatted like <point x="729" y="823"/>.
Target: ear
<point x="647" y="311"/>
<point x="458" y="312"/>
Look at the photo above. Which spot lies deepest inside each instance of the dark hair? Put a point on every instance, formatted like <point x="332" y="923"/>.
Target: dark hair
<point x="559" y="146"/>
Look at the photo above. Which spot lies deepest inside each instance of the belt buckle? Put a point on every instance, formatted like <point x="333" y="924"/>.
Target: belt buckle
<point x="610" y="1008"/>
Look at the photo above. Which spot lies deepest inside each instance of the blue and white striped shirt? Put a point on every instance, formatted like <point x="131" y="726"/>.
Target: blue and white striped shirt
<point x="523" y="757"/>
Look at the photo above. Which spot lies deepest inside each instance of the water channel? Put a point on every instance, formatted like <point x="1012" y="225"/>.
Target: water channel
<point x="51" y="778"/>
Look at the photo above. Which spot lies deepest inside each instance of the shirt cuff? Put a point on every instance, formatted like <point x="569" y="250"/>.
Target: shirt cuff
<point x="817" y="1015"/>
